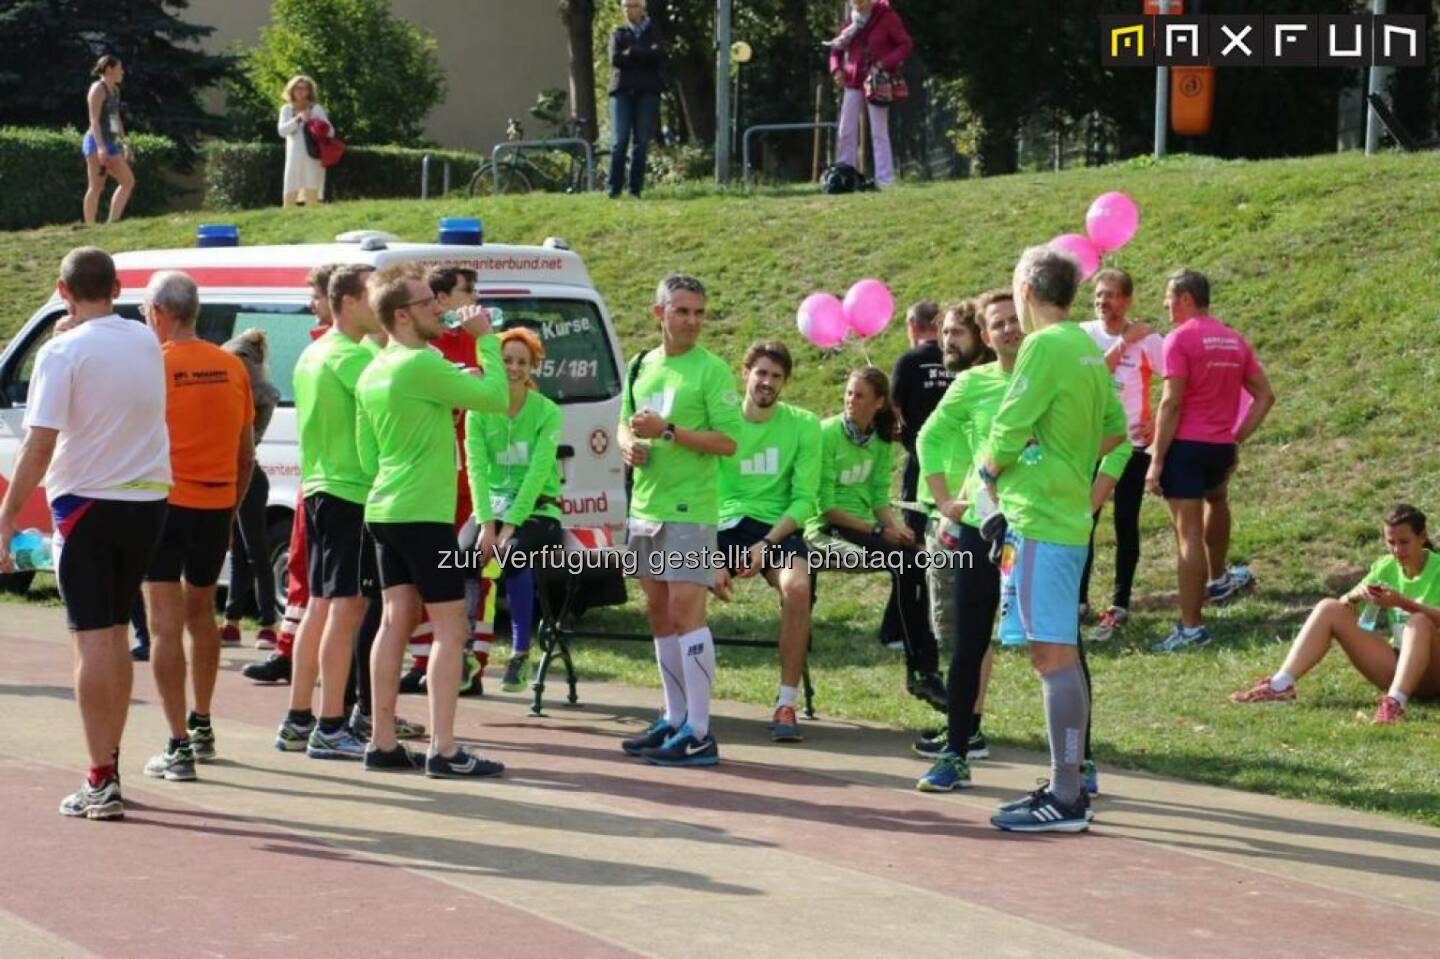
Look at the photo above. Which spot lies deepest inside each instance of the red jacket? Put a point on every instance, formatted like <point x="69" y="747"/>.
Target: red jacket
<point x="883" y="40"/>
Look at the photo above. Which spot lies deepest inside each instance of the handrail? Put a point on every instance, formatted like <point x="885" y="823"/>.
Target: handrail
<point x="554" y="144"/>
<point x="773" y="128"/>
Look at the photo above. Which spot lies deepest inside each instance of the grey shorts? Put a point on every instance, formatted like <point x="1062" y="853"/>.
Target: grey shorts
<point x="673" y="552"/>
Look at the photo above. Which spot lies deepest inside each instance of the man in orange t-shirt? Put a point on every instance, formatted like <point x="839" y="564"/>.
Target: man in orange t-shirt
<point x="209" y="415"/>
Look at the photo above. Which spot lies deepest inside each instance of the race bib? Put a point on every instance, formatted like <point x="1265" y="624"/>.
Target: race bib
<point x="642" y="527"/>
<point x="500" y="504"/>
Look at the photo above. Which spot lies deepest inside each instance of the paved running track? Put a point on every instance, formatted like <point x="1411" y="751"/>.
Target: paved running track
<point x="821" y="849"/>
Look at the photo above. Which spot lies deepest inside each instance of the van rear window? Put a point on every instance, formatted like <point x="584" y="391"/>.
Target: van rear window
<point x="579" y="366"/>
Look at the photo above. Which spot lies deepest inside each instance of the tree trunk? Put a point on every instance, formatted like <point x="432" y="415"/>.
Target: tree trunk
<point x="997" y="152"/>
<point x="692" y="71"/>
<point x="579" y="19"/>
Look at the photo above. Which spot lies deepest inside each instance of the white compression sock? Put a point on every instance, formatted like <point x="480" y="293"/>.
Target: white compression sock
<point x="698" y="650"/>
<point x="789" y="696"/>
<point x="1281" y="681"/>
<point x="672" y="677"/>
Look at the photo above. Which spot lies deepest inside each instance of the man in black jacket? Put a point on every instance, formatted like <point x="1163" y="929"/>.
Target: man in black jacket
<point x="637" y="52"/>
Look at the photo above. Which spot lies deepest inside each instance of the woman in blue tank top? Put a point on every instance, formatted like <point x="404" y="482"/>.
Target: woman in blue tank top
<point x="105" y="149"/>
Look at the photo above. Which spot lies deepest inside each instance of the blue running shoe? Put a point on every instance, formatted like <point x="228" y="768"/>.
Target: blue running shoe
<point x="684" y="749"/>
<point x="1182" y="638"/>
<point x="1042" y="811"/>
<point x="949" y="773"/>
<point x="653" y="738"/>
<point x="1090" y="777"/>
<point x="341" y="744"/>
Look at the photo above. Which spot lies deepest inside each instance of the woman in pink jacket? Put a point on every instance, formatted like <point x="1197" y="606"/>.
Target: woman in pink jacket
<point x="872" y="35"/>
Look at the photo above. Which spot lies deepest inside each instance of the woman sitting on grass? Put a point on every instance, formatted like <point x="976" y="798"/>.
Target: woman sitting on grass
<point x="1406" y="584"/>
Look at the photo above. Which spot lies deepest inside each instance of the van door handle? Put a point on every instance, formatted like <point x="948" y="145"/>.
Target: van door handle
<point x="564" y="451"/>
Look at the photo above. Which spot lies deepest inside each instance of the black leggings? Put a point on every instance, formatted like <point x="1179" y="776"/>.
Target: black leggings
<point x="911" y="602"/>
<point x="977" y="599"/>
<point x="250" y="569"/>
<point x="1129" y="496"/>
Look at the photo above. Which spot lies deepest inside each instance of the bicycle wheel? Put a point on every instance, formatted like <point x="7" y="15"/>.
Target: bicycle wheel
<point x="512" y="180"/>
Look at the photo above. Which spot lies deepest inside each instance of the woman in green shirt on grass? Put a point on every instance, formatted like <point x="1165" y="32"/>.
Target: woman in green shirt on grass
<point x="511" y="460"/>
<point x="1406" y="585"/>
<point x="856" y="526"/>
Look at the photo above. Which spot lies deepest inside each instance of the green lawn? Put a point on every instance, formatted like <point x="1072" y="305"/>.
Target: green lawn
<point x="1326" y="263"/>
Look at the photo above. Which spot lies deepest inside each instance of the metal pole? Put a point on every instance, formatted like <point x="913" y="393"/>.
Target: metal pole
<point x="425" y="177"/>
<point x="1162" y="98"/>
<point x="722" y="91"/>
<point x="445" y="181"/>
<point x="1377" y="83"/>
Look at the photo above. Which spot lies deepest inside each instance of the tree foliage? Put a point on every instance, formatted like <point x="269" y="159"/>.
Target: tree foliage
<point x="378" y="75"/>
<point x="50" y="45"/>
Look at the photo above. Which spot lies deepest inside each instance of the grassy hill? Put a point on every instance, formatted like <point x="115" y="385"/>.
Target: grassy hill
<point x="1327" y="264"/>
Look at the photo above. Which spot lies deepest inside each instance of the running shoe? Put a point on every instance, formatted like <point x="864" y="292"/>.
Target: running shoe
<point x="653" y="737"/>
<point x="95" y="802"/>
<point x="930" y="745"/>
<point x="364" y="728"/>
<point x="266" y="638"/>
<point x="272" y="669"/>
<point x="1110" y="621"/>
<point x="1235" y="580"/>
<point x="413" y="681"/>
<point x="929" y="688"/>
<point x="1264" y="691"/>
<point x="472" y="676"/>
<point x="462" y="765"/>
<point x="341" y="744"/>
<point x="202" y="740"/>
<point x="230" y="635"/>
<point x="1090" y="777"/>
<point x="1182" y="638"/>
<point x="977" y="748"/>
<point x="176" y="765"/>
<point x="684" y="748"/>
<point x="949" y="773"/>
<point x="398" y="758"/>
<point x="1042" y="811"/>
<point x="515" y="672"/>
<point x="292" y="737"/>
<point x="785" y="726"/>
<point x="1389" y="712"/>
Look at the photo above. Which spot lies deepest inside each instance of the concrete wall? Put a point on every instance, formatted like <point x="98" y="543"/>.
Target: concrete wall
<point x="497" y="55"/>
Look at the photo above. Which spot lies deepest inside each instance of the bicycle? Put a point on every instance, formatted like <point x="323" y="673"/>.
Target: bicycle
<point x="535" y="168"/>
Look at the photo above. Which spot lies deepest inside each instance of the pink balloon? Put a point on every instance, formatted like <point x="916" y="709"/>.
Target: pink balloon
<point x="869" y="307"/>
<point x="1081" y="249"/>
<point x="821" y="319"/>
<point x="1112" y="221"/>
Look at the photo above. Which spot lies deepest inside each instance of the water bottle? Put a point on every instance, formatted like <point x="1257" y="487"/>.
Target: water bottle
<point x="1369" y="616"/>
<point x="949" y="535"/>
<point x="1031" y="454"/>
<point x="31" y="549"/>
<point x="1398" y="619"/>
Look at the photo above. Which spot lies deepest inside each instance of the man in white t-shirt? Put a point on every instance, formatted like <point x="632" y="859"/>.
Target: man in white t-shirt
<point x="95" y="433"/>
<point x="1134" y="353"/>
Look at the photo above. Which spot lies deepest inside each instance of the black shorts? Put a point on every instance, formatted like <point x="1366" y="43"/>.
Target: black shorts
<point x="192" y="546"/>
<point x="1193" y="469"/>
<point x="334" y="531"/>
<point x="106" y="550"/>
<point x="739" y="538"/>
<point x="423" y="555"/>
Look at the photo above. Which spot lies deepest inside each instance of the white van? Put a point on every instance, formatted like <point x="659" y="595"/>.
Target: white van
<point x="545" y="288"/>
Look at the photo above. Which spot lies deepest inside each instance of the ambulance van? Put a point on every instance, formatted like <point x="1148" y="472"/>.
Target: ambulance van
<point x="545" y="288"/>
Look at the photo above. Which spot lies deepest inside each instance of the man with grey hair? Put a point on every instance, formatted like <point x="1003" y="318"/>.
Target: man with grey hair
<point x="99" y="387"/>
<point x="209" y="415"/>
<point x="1060" y="414"/>
<point x="678" y="415"/>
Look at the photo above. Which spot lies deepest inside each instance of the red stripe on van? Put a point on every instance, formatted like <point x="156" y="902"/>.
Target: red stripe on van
<point x="251" y="276"/>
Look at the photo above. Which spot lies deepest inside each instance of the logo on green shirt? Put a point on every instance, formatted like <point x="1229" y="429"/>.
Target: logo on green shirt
<point x="764" y="463"/>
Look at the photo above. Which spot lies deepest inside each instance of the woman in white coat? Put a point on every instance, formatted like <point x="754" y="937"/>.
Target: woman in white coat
<point x="304" y="175"/>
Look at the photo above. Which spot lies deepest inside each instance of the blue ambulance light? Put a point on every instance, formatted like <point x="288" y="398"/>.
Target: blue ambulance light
<point x="217" y="234"/>
<point x="461" y="231"/>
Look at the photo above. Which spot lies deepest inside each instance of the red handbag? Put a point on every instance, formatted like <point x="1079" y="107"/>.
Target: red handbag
<point x="332" y="148"/>
<point x="883" y="88"/>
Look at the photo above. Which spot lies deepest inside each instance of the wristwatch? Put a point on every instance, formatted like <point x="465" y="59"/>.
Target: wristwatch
<point x="877" y="529"/>
<point x="668" y="433"/>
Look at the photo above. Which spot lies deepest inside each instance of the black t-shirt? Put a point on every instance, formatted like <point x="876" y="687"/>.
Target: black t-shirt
<point x="919" y="380"/>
